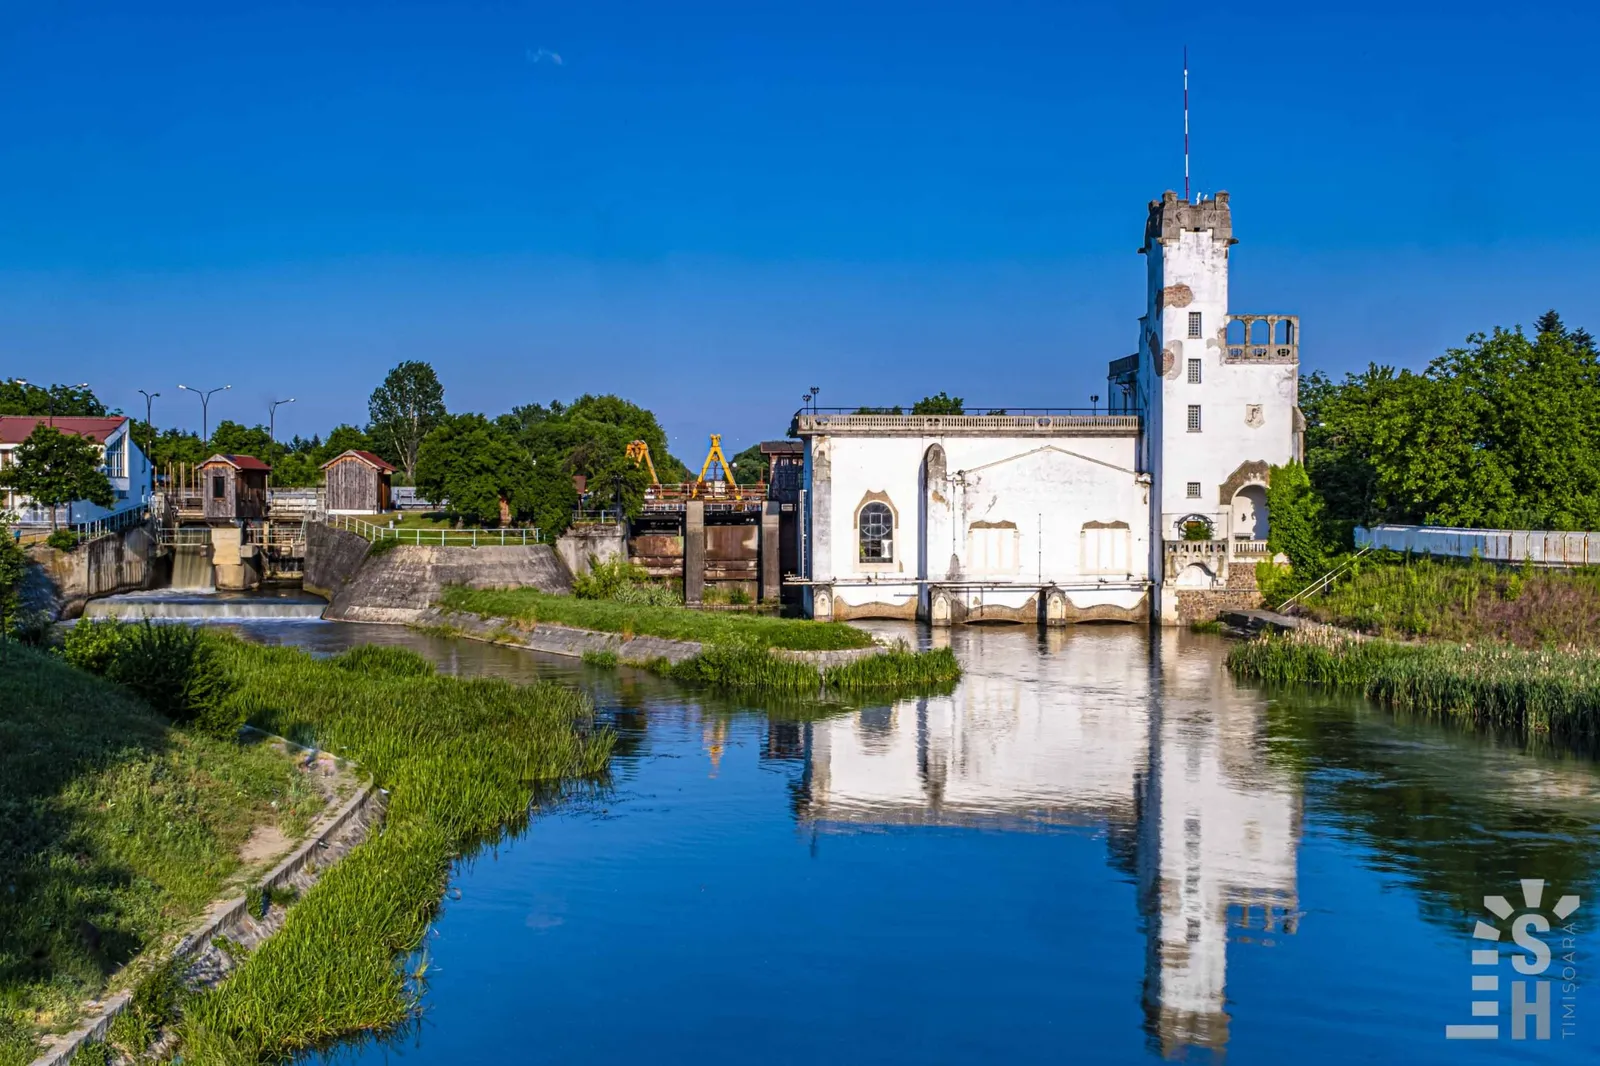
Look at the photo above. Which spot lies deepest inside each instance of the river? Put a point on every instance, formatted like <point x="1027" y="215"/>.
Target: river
<point x="1100" y="848"/>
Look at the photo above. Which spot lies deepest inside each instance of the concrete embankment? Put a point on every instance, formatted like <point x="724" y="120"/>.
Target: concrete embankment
<point x="564" y="640"/>
<point x="60" y="584"/>
<point x="400" y="584"/>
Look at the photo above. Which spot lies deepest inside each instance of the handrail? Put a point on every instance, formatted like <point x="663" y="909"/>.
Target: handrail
<point x="1324" y="581"/>
<point x="448" y="538"/>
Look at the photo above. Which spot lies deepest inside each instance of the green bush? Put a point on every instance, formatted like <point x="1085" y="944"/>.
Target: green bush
<point x="91" y="645"/>
<point x="622" y="582"/>
<point x="175" y="670"/>
<point x="62" y="540"/>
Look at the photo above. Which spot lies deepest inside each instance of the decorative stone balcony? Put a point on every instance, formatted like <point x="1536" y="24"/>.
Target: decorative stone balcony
<point x="1262" y="339"/>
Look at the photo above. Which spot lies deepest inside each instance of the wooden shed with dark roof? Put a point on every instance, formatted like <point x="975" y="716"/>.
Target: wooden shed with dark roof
<point x="234" y="487"/>
<point x="357" y="482"/>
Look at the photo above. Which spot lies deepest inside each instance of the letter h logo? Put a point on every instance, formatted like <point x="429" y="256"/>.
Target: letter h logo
<point x="1486" y="965"/>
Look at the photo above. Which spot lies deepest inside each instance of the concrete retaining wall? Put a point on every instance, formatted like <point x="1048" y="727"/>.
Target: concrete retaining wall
<point x="63" y="582"/>
<point x="581" y="543"/>
<point x="333" y="556"/>
<point x="399" y="584"/>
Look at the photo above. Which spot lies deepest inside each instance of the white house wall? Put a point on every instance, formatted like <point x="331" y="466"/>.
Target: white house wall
<point x="1018" y="512"/>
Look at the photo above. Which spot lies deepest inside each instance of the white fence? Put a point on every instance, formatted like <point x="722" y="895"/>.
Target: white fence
<point x="447" y="538"/>
<point x="1496" y="545"/>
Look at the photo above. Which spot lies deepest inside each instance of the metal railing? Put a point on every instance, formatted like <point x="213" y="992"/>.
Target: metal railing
<point x="447" y="538"/>
<point x="1324" y="581"/>
<point x="934" y="425"/>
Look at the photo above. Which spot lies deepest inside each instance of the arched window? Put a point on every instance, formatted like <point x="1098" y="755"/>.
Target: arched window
<point x="877" y="533"/>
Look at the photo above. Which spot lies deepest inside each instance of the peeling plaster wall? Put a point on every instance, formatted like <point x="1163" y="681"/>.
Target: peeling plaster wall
<point x="1008" y="509"/>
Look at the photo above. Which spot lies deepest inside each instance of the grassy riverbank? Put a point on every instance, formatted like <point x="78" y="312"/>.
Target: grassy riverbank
<point x="1540" y="691"/>
<point x="462" y="760"/>
<point x="1464" y="600"/>
<point x="673" y="623"/>
<point x="116" y="829"/>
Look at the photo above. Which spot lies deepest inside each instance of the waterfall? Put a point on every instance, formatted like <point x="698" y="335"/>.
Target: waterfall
<point x="191" y="567"/>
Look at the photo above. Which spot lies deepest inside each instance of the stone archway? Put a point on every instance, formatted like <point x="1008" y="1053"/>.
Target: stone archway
<point x="1249" y="513"/>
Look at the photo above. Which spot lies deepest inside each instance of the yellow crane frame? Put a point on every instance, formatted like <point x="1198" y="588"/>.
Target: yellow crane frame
<point x="639" y="452"/>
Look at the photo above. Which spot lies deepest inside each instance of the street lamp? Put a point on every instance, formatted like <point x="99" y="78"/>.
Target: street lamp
<point x="205" y="408"/>
<point x="50" y="394"/>
<point x="149" y="398"/>
<point x="272" y="418"/>
<point x="1095" y="402"/>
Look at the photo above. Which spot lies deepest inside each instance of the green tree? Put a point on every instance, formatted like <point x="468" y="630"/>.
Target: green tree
<point x="1297" y="523"/>
<point x="404" y="409"/>
<point x="235" y="438"/>
<point x="56" y="468"/>
<point x="174" y="447"/>
<point x="477" y="470"/>
<point x="341" y="439"/>
<point x="13" y="564"/>
<point x="939" y="404"/>
<point x="60" y="400"/>
<point x="1503" y="432"/>
<point x="750" y="465"/>
<point x="588" y="437"/>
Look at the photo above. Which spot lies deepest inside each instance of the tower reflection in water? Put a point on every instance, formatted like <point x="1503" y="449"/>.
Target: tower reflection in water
<point x="1159" y="750"/>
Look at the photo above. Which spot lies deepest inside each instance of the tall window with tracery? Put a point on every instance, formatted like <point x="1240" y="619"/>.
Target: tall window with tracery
<point x="877" y="533"/>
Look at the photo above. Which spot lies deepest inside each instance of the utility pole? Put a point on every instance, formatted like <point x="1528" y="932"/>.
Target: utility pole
<point x="272" y="418"/>
<point x="205" y="408"/>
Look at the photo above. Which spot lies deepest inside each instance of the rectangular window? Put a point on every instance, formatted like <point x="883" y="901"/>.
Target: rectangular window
<point x="1194" y="371"/>
<point x="1194" y="418"/>
<point x="1194" y="323"/>
<point x="1194" y="490"/>
<point x="219" y="487"/>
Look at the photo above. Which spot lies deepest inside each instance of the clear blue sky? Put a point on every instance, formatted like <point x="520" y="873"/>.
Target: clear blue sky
<point x="710" y="207"/>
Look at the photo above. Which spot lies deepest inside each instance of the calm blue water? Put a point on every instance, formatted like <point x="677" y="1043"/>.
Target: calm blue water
<point x="1099" y="849"/>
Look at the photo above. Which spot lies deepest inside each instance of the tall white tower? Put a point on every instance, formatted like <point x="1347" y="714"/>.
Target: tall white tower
<point x="1218" y="393"/>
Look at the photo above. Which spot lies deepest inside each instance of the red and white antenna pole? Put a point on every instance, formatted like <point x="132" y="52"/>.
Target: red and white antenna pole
<point x="1186" y="123"/>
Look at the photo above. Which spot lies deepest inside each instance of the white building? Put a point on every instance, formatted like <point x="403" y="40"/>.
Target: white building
<point x="1057" y="517"/>
<point x="124" y="464"/>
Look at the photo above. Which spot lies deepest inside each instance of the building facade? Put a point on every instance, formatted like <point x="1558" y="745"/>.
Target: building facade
<point x="125" y="465"/>
<point x="1156" y="509"/>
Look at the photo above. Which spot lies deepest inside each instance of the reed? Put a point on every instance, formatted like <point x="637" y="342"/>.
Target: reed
<point x="462" y="761"/>
<point x="1537" y="691"/>
<point x="674" y="623"/>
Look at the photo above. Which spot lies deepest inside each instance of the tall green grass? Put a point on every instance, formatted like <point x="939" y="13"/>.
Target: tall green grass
<point x="674" y="623"/>
<point x="116" y="828"/>
<point x="462" y="760"/>
<point x="1464" y="600"/>
<point x="1539" y="691"/>
<point x="749" y="667"/>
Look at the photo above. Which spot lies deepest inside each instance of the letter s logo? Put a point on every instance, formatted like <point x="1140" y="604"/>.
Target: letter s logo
<point x="1531" y="944"/>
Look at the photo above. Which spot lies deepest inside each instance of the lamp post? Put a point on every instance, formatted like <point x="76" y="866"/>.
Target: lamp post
<point x="205" y="408"/>
<point x="272" y="418"/>
<point x="149" y="399"/>
<point x="1094" y="402"/>
<point x="50" y="394"/>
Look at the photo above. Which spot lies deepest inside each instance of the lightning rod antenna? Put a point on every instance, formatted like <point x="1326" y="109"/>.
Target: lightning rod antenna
<point x="1186" y="123"/>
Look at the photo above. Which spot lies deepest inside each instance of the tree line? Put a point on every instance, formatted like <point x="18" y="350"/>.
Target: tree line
<point x="1502" y="433"/>
<point x="517" y="468"/>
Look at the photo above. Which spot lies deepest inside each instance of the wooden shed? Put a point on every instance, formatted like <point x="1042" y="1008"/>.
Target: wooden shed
<point x="357" y="482"/>
<point x="234" y="487"/>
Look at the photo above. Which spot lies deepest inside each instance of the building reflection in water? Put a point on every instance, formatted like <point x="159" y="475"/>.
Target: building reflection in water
<point x="1162" y="751"/>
